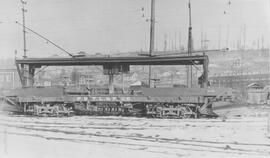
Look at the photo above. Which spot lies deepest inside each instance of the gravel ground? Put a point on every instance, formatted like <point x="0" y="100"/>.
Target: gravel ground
<point x="116" y="137"/>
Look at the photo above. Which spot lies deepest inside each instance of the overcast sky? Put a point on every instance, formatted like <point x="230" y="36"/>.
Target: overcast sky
<point x="117" y="25"/>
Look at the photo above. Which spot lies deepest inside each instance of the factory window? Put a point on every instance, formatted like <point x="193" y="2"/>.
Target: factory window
<point x="8" y="78"/>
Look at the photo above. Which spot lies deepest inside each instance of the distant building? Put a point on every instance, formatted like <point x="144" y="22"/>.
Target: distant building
<point x="256" y="86"/>
<point x="75" y="76"/>
<point x="257" y="94"/>
<point x="238" y="81"/>
<point x="85" y="79"/>
<point x="47" y="83"/>
<point x="131" y="77"/>
<point x="65" y="79"/>
<point x="9" y="79"/>
<point x="138" y="85"/>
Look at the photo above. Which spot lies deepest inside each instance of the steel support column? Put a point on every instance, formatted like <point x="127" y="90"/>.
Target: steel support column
<point x="205" y="73"/>
<point x="31" y="74"/>
<point x="27" y="73"/>
<point x="111" y="87"/>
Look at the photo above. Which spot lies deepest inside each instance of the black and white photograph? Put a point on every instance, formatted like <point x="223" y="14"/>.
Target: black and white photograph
<point x="134" y="79"/>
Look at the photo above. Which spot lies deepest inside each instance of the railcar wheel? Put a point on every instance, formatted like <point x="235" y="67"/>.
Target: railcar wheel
<point x="186" y="112"/>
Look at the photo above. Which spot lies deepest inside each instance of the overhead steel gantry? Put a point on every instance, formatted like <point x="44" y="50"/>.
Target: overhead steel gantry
<point x="111" y="65"/>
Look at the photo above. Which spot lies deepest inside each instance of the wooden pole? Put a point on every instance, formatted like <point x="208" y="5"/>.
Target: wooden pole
<point x="24" y="31"/>
<point x="152" y="37"/>
<point x="189" y="67"/>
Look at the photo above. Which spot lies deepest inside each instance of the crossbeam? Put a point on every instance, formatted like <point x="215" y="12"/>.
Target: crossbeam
<point x="168" y="60"/>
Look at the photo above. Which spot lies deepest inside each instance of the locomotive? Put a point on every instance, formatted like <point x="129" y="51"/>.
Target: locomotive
<point x="149" y="102"/>
<point x="191" y="102"/>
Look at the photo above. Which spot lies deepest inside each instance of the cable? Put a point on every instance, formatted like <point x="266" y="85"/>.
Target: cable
<point x="40" y="70"/>
<point x="46" y="39"/>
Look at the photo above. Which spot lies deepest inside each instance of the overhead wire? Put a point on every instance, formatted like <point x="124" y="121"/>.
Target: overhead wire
<point x="47" y="40"/>
<point x="40" y="70"/>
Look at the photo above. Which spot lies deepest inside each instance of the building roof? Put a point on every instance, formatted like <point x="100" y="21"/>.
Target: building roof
<point x="255" y="85"/>
<point x="138" y="83"/>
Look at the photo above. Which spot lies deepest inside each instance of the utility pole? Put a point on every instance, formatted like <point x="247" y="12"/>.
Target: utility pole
<point x="24" y="32"/>
<point x="165" y="43"/>
<point x="240" y="38"/>
<point x="189" y="67"/>
<point x="219" y="36"/>
<point x="172" y="42"/>
<point x="202" y="39"/>
<point x="258" y="43"/>
<point x="175" y="41"/>
<point x="228" y="34"/>
<point x="180" y="41"/>
<point x="262" y="42"/>
<point x="244" y="36"/>
<point x="152" y="37"/>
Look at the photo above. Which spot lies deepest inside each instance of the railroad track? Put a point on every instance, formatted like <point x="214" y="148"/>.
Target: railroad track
<point x="90" y="134"/>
